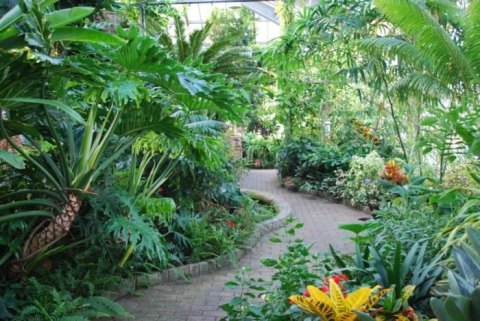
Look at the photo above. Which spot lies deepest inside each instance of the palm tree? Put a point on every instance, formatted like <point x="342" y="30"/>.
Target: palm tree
<point x="441" y="41"/>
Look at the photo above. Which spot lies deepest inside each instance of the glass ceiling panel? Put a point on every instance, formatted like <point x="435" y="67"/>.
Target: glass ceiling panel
<point x="266" y="29"/>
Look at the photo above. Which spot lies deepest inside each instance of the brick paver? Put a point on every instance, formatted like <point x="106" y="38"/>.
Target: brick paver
<point x="198" y="299"/>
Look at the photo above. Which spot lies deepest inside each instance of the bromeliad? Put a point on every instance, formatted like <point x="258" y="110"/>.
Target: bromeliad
<point x="336" y="306"/>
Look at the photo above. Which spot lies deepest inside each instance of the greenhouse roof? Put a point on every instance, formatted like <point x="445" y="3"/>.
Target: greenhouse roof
<point x="266" y="24"/>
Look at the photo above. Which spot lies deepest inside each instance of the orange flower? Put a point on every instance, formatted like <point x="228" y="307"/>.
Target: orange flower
<point x="393" y="172"/>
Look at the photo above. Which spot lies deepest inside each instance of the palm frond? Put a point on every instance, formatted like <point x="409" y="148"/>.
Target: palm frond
<point x="428" y="35"/>
<point x="397" y="48"/>
<point x="200" y="124"/>
<point x="422" y="85"/>
<point x="472" y="35"/>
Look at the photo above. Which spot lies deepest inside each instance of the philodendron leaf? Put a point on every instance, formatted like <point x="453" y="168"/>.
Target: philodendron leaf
<point x="66" y="16"/>
<point x="11" y="159"/>
<point x="85" y="35"/>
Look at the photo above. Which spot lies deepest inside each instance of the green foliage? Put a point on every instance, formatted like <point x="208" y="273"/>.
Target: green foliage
<point x="361" y="182"/>
<point x="238" y="23"/>
<point x="261" y="152"/>
<point x="46" y="303"/>
<point x="462" y="299"/>
<point x="399" y="269"/>
<point x="290" y="155"/>
<point x="261" y="299"/>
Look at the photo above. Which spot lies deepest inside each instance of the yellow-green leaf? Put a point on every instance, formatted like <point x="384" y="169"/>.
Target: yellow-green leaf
<point x="356" y="299"/>
<point x="337" y="297"/>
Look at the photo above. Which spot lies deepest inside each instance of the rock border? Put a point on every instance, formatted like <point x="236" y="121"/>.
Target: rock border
<point x="188" y="271"/>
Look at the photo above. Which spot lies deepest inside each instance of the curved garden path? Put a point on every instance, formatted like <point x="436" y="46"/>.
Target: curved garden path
<point x="198" y="299"/>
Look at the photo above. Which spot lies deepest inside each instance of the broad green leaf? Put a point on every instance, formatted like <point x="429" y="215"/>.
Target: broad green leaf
<point x="11" y="159"/>
<point x="357" y="228"/>
<point x="475" y="147"/>
<point x="56" y="19"/>
<point x="64" y="17"/>
<point x="85" y="35"/>
<point x="193" y="85"/>
<point x="53" y="103"/>
<point x="269" y="262"/>
<point x="16" y="13"/>
<point x="465" y="134"/>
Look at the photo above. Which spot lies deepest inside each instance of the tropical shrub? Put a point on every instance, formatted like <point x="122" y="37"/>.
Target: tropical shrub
<point x="456" y="177"/>
<point x="337" y="305"/>
<point x="361" y="182"/>
<point x="290" y="154"/>
<point x="261" y="152"/>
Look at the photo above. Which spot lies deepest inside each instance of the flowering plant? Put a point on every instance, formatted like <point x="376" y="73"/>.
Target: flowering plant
<point x="393" y="172"/>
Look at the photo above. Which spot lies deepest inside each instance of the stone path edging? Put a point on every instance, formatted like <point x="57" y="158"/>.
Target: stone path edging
<point x="216" y="264"/>
<point x="199" y="298"/>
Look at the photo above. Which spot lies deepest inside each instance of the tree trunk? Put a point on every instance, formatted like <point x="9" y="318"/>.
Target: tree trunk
<point x="56" y="229"/>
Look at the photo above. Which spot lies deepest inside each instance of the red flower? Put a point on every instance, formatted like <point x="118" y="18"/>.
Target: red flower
<point x="306" y="293"/>
<point x="338" y="279"/>
<point x="231" y="224"/>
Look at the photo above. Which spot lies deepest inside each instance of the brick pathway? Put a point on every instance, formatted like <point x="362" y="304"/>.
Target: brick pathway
<point x="198" y="300"/>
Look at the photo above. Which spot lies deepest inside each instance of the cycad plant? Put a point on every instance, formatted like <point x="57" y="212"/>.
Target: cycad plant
<point x="222" y="55"/>
<point x="90" y="106"/>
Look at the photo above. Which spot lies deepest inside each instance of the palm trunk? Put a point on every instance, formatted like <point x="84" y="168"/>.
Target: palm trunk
<point x="56" y="229"/>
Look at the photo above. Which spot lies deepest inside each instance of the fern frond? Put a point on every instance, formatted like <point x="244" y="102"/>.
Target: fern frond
<point x="74" y="318"/>
<point x="104" y="307"/>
